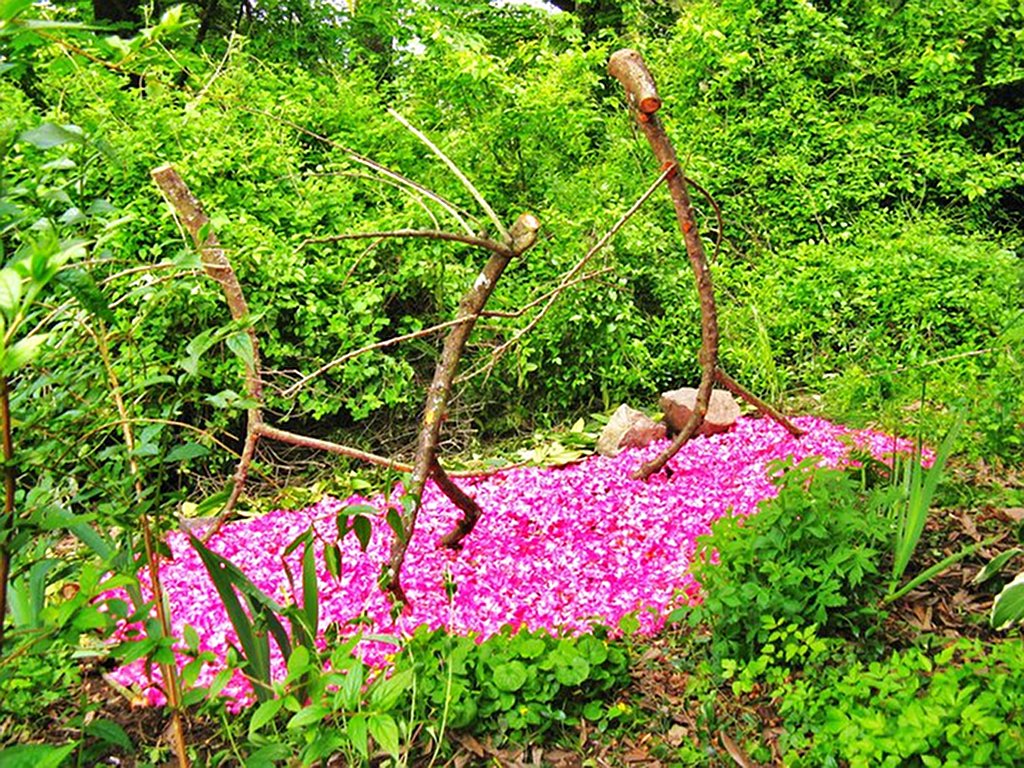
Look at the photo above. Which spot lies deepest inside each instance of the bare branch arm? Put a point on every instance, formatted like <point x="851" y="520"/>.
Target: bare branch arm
<point x="569" y="278"/>
<point x="448" y="206"/>
<point x="456" y="171"/>
<point x="426" y="234"/>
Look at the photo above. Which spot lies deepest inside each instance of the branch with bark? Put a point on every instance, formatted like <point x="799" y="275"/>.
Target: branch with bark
<point x="215" y="262"/>
<point x="627" y="66"/>
<point x="521" y="237"/>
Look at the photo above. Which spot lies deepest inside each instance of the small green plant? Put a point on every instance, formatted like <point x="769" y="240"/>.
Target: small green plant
<point x="332" y="704"/>
<point x="911" y="508"/>
<point x="788" y="647"/>
<point x="263" y="619"/>
<point x="515" y="685"/>
<point x="959" y="705"/>
<point x="328" y="702"/>
<point x="811" y="555"/>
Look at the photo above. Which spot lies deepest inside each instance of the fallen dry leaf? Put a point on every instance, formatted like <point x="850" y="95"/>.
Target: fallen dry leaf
<point x="1016" y="514"/>
<point x="737" y="754"/>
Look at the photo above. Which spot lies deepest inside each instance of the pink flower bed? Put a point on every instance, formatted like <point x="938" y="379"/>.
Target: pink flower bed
<point x="560" y="548"/>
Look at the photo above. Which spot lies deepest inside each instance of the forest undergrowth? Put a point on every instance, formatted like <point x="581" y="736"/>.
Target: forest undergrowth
<point x="856" y="179"/>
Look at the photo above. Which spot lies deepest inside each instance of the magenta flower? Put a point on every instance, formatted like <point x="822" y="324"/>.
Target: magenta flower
<point x="560" y="547"/>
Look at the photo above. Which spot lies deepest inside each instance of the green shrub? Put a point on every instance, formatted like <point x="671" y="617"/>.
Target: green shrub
<point x="889" y="298"/>
<point x="514" y="685"/>
<point x="809" y="556"/>
<point x="962" y="705"/>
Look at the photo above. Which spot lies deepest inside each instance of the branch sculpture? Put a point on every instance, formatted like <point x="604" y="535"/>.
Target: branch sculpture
<point x="521" y="237"/>
<point x="627" y="66"/>
<point x="216" y="264"/>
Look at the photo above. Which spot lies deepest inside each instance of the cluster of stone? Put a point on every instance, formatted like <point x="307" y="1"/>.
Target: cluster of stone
<point x="630" y="428"/>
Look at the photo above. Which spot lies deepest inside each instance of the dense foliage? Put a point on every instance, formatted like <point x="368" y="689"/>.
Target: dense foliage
<point x="811" y="554"/>
<point x="866" y="161"/>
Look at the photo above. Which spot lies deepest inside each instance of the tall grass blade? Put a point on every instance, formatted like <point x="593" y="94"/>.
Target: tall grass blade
<point x="255" y="644"/>
<point x="919" y="489"/>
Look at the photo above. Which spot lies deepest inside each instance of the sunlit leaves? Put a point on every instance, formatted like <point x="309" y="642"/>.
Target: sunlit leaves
<point x="1008" y="608"/>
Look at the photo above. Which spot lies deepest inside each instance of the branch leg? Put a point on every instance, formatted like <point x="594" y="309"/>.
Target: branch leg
<point x="700" y="408"/>
<point x="739" y="390"/>
<point x="470" y="509"/>
<point x="523" y="235"/>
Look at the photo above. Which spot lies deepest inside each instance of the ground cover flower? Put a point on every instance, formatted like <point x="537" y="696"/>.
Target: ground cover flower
<point x="557" y="547"/>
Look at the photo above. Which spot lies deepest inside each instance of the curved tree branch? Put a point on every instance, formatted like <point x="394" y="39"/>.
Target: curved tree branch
<point x="523" y="235"/>
<point x="628" y="67"/>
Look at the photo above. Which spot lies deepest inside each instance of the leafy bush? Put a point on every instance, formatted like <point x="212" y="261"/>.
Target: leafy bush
<point x="888" y="298"/>
<point x="515" y="684"/>
<point x="961" y="705"/>
<point x="811" y="555"/>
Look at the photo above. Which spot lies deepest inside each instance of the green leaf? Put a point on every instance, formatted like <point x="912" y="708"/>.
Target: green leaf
<point x="9" y="9"/>
<point x="571" y="669"/>
<point x="22" y="353"/>
<point x="86" y="291"/>
<point x="186" y="451"/>
<point x="629" y="624"/>
<point x="310" y="590"/>
<point x="914" y="510"/>
<point x="995" y="565"/>
<point x="263" y="714"/>
<point x="385" y="694"/>
<point x="308" y="716"/>
<point x="394" y="521"/>
<point x="298" y="664"/>
<point x="35" y="755"/>
<point x="240" y="344"/>
<point x="49" y="135"/>
<point x="1008" y="608"/>
<point x="190" y="636"/>
<point x="269" y="756"/>
<point x="510" y="676"/>
<point x="351" y="690"/>
<point x="358" y="733"/>
<point x="332" y="559"/>
<point x="195" y="349"/>
<point x="362" y="528"/>
<point x="110" y="732"/>
<point x="384" y="731"/>
<point x="226" y="576"/>
<point x="10" y="291"/>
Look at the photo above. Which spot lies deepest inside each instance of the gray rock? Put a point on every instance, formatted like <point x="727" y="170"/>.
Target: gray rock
<point x="628" y="428"/>
<point x="723" y="410"/>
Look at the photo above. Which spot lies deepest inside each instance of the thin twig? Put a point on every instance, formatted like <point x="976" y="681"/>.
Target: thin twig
<point x="718" y="215"/>
<point x="426" y="234"/>
<point x="543" y="297"/>
<point x="400" y="187"/>
<point x="293" y="389"/>
<point x="372" y="164"/>
<point x="568" y="278"/>
<point x="172" y="682"/>
<point x="940" y="360"/>
<point x="456" y="172"/>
